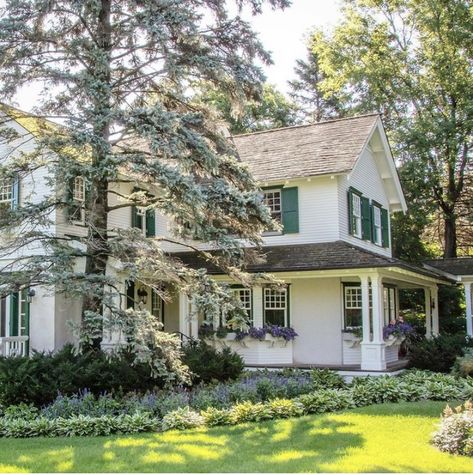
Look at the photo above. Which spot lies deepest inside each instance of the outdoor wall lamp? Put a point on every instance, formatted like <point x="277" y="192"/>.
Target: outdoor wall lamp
<point x="143" y="295"/>
<point x="31" y="293"/>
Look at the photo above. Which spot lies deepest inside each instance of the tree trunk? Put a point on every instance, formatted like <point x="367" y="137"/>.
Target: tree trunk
<point x="97" y="203"/>
<point x="450" y="236"/>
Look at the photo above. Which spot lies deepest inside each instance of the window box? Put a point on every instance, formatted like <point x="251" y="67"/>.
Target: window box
<point x="351" y="340"/>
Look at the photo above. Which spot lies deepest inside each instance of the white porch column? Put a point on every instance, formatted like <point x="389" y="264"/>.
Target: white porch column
<point x="194" y="321"/>
<point x="365" y="308"/>
<point x="435" y="310"/>
<point x="373" y="353"/>
<point x="469" y="307"/>
<point x="428" y="313"/>
<point x="184" y="326"/>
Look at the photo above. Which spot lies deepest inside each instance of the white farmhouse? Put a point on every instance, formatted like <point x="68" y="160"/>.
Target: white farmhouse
<point x="333" y="186"/>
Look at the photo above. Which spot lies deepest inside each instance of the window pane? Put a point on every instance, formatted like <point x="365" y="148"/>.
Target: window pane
<point x="272" y="199"/>
<point x="78" y="193"/>
<point x="245" y="298"/>
<point x="274" y="317"/>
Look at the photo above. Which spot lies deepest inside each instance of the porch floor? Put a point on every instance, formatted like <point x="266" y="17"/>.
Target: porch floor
<point x="391" y="367"/>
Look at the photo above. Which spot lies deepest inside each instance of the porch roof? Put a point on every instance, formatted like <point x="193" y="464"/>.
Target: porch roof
<point x="458" y="266"/>
<point x="317" y="256"/>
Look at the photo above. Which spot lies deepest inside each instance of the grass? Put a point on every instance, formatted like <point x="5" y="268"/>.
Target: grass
<point x="383" y="438"/>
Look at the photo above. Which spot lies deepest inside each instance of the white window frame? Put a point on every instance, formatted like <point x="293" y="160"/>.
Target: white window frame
<point x="272" y="199"/>
<point x="354" y="303"/>
<point x="6" y="194"/>
<point x="356" y="213"/>
<point x="272" y="300"/>
<point x="245" y="295"/>
<point x="377" y="227"/>
<point x="141" y="211"/>
<point x="157" y="306"/>
<point x="78" y="197"/>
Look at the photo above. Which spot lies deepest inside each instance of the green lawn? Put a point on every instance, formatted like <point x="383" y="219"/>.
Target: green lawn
<point x="384" y="438"/>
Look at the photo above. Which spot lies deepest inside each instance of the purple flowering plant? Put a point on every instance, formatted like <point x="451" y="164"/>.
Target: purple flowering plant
<point x="287" y="333"/>
<point x="399" y="329"/>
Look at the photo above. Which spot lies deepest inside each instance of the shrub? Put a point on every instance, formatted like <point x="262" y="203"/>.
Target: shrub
<point x="250" y="412"/>
<point x="439" y="353"/>
<point x="40" y="378"/>
<point x="326" y="379"/>
<point x="216" y="417"/>
<point x="182" y="418"/>
<point x="209" y="364"/>
<point x="78" y="426"/>
<point x="326" y="400"/>
<point x="455" y="434"/>
<point x="23" y="411"/>
<point x="283" y="408"/>
<point x="463" y="365"/>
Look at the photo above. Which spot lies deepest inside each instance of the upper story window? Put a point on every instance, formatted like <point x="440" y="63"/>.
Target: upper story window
<point x="367" y="219"/>
<point x="275" y="307"/>
<point x="6" y="195"/>
<point x="377" y="226"/>
<point x="356" y="215"/>
<point x="283" y="204"/>
<point x="273" y="200"/>
<point x="77" y="208"/>
<point x="78" y="193"/>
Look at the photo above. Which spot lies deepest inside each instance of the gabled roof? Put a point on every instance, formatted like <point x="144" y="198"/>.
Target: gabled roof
<point x="318" y="256"/>
<point x="458" y="266"/>
<point x="330" y="147"/>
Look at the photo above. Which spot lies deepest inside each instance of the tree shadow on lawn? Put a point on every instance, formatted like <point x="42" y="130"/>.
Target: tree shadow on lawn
<point x="280" y="446"/>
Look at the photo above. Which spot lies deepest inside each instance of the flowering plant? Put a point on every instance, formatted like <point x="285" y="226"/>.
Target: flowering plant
<point x="287" y="333"/>
<point x="399" y="329"/>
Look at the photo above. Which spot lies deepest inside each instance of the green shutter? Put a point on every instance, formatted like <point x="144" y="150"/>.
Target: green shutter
<point x="385" y="227"/>
<point x="15" y="199"/>
<point x="365" y="218"/>
<point x="350" y="211"/>
<point x="135" y="218"/>
<point x="373" y="231"/>
<point x="130" y="295"/>
<point x="290" y="210"/>
<point x="27" y="319"/>
<point x="150" y="223"/>
<point x="14" y="312"/>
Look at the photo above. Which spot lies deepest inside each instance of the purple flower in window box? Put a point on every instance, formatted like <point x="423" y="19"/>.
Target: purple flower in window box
<point x="398" y="329"/>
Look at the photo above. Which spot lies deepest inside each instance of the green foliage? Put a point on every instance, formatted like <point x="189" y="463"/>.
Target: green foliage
<point x="267" y="110"/>
<point x="250" y="412"/>
<point x="39" y="379"/>
<point x="326" y="400"/>
<point x="216" y="417"/>
<point x="326" y="379"/>
<point x="411" y="61"/>
<point x="78" y="426"/>
<point x="209" y="364"/>
<point x="463" y="365"/>
<point x="455" y="434"/>
<point x="182" y="418"/>
<point x="438" y="353"/>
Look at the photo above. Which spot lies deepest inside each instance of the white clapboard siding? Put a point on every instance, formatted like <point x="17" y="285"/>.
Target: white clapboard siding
<point x="318" y="215"/>
<point x="365" y="178"/>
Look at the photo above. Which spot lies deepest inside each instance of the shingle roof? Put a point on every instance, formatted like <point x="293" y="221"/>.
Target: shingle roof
<point x="307" y="150"/>
<point x="453" y="265"/>
<point x="318" y="256"/>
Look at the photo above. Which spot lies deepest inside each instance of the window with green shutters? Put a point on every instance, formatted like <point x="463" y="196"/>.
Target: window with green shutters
<point x="144" y="219"/>
<point x="9" y="195"/>
<point x="19" y="313"/>
<point x="354" y="213"/>
<point x="283" y="204"/>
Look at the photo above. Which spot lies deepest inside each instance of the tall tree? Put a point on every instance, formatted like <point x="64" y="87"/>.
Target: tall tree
<point x="269" y="110"/>
<point x="312" y="103"/>
<point x="412" y="61"/>
<point x="116" y="73"/>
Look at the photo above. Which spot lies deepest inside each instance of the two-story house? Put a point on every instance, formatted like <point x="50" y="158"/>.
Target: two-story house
<point x="333" y="187"/>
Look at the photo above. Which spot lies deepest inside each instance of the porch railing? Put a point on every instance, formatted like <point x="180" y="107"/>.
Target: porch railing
<point x="13" y="345"/>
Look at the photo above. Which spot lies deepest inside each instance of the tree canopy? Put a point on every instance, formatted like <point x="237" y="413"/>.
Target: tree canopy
<point x="411" y="60"/>
<point x="116" y="74"/>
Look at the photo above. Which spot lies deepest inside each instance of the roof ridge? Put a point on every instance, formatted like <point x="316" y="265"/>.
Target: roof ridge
<point x="300" y="126"/>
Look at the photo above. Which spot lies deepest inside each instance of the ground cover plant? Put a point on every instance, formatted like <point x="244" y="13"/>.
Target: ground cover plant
<point x="393" y="437"/>
<point x="261" y="396"/>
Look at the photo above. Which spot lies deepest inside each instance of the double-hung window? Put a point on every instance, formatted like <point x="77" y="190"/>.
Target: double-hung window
<point x="244" y="295"/>
<point x="377" y="226"/>
<point x="275" y="307"/>
<point x="273" y="200"/>
<point x="6" y="196"/>
<point x="140" y="219"/>
<point x="353" y="306"/>
<point x="356" y="215"/>
<point x="77" y="212"/>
